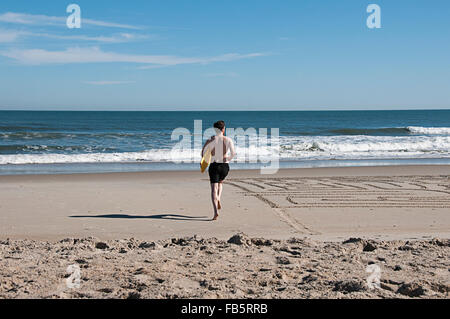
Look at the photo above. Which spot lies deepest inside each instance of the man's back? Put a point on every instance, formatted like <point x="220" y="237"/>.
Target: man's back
<point x="219" y="146"/>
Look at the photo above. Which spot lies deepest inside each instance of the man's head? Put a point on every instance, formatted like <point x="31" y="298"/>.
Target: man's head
<point x="220" y="126"/>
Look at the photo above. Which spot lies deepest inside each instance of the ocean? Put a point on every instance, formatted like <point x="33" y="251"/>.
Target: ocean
<point x="38" y="142"/>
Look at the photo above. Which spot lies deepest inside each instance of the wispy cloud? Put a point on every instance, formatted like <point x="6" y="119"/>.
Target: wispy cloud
<point x="224" y="74"/>
<point x="115" y="38"/>
<point x="107" y="82"/>
<point x="39" y="19"/>
<point x="9" y="35"/>
<point x="15" y="35"/>
<point x="96" y="55"/>
<point x="173" y="60"/>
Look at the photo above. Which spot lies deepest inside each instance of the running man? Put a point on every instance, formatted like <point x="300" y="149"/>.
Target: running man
<point x="219" y="168"/>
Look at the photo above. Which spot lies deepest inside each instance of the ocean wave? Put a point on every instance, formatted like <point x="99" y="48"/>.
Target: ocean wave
<point x="149" y="156"/>
<point x="15" y="128"/>
<point x="35" y="135"/>
<point x="288" y="148"/>
<point x="429" y="130"/>
<point x="393" y="131"/>
<point x="23" y="149"/>
<point x="371" y="131"/>
<point x="72" y="135"/>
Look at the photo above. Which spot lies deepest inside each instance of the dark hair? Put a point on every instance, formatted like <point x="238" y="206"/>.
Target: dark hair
<point x="219" y="125"/>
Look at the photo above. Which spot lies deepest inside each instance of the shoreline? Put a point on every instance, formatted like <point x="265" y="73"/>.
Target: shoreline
<point x="140" y="167"/>
<point x="330" y="170"/>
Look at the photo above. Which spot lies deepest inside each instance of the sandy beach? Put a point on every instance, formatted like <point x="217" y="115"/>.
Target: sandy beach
<point x="156" y="234"/>
<point x="331" y="204"/>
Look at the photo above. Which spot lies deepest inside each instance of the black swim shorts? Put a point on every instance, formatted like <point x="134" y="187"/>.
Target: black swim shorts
<point x="218" y="172"/>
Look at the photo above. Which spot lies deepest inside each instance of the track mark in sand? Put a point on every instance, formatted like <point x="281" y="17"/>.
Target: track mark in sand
<point x="351" y="186"/>
<point x="363" y="192"/>
<point x="329" y="185"/>
<point x="419" y="185"/>
<point x="290" y="200"/>
<point x="281" y="213"/>
<point x="299" y="227"/>
<point x="375" y="186"/>
<point x="238" y="186"/>
<point x="265" y="200"/>
<point x="248" y="192"/>
<point x="253" y="184"/>
<point x="390" y="183"/>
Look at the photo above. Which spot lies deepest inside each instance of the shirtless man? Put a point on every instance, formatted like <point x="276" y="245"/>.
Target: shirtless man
<point x="219" y="168"/>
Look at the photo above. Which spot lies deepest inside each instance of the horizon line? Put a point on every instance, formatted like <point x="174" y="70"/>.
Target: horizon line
<point x="243" y="110"/>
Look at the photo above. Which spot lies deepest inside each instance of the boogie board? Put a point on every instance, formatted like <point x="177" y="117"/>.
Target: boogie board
<point x="206" y="159"/>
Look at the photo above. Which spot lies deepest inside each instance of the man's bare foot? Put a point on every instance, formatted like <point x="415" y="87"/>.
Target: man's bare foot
<point x="218" y="205"/>
<point x="215" y="217"/>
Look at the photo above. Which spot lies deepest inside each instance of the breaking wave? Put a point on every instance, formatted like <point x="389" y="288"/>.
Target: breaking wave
<point x="289" y="148"/>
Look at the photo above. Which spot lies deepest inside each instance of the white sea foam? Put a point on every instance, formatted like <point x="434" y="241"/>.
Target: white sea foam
<point x="429" y="130"/>
<point x="361" y="147"/>
<point x="151" y="156"/>
<point x="291" y="148"/>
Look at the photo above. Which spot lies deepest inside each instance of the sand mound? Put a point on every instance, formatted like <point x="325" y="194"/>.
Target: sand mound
<point x="241" y="267"/>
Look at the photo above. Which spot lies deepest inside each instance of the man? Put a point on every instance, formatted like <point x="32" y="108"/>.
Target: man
<point x="219" y="146"/>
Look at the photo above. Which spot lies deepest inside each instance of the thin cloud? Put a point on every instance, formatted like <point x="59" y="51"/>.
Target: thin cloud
<point x="96" y="55"/>
<point x="224" y="74"/>
<point x="107" y="82"/>
<point x="110" y="24"/>
<point x="15" y="35"/>
<point x="116" y="38"/>
<point x="221" y="58"/>
<point x="9" y="35"/>
<point x="39" y="19"/>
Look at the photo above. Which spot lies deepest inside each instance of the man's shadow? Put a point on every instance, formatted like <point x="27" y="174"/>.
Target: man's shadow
<point x="161" y="216"/>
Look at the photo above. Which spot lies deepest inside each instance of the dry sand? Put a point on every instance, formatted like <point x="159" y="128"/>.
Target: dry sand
<point x="211" y="268"/>
<point x="398" y="210"/>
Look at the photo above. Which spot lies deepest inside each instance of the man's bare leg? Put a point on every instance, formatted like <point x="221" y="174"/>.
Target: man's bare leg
<point x="219" y="195"/>
<point x="214" y="198"/>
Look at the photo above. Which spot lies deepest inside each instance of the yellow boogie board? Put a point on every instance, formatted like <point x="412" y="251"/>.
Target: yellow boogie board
<point x="206" y="159"/>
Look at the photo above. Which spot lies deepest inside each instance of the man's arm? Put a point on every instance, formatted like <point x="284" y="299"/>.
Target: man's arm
<point x="206" y="144"/>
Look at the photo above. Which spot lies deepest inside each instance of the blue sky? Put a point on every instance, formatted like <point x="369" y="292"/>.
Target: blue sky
<point x="218" y="55"/>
